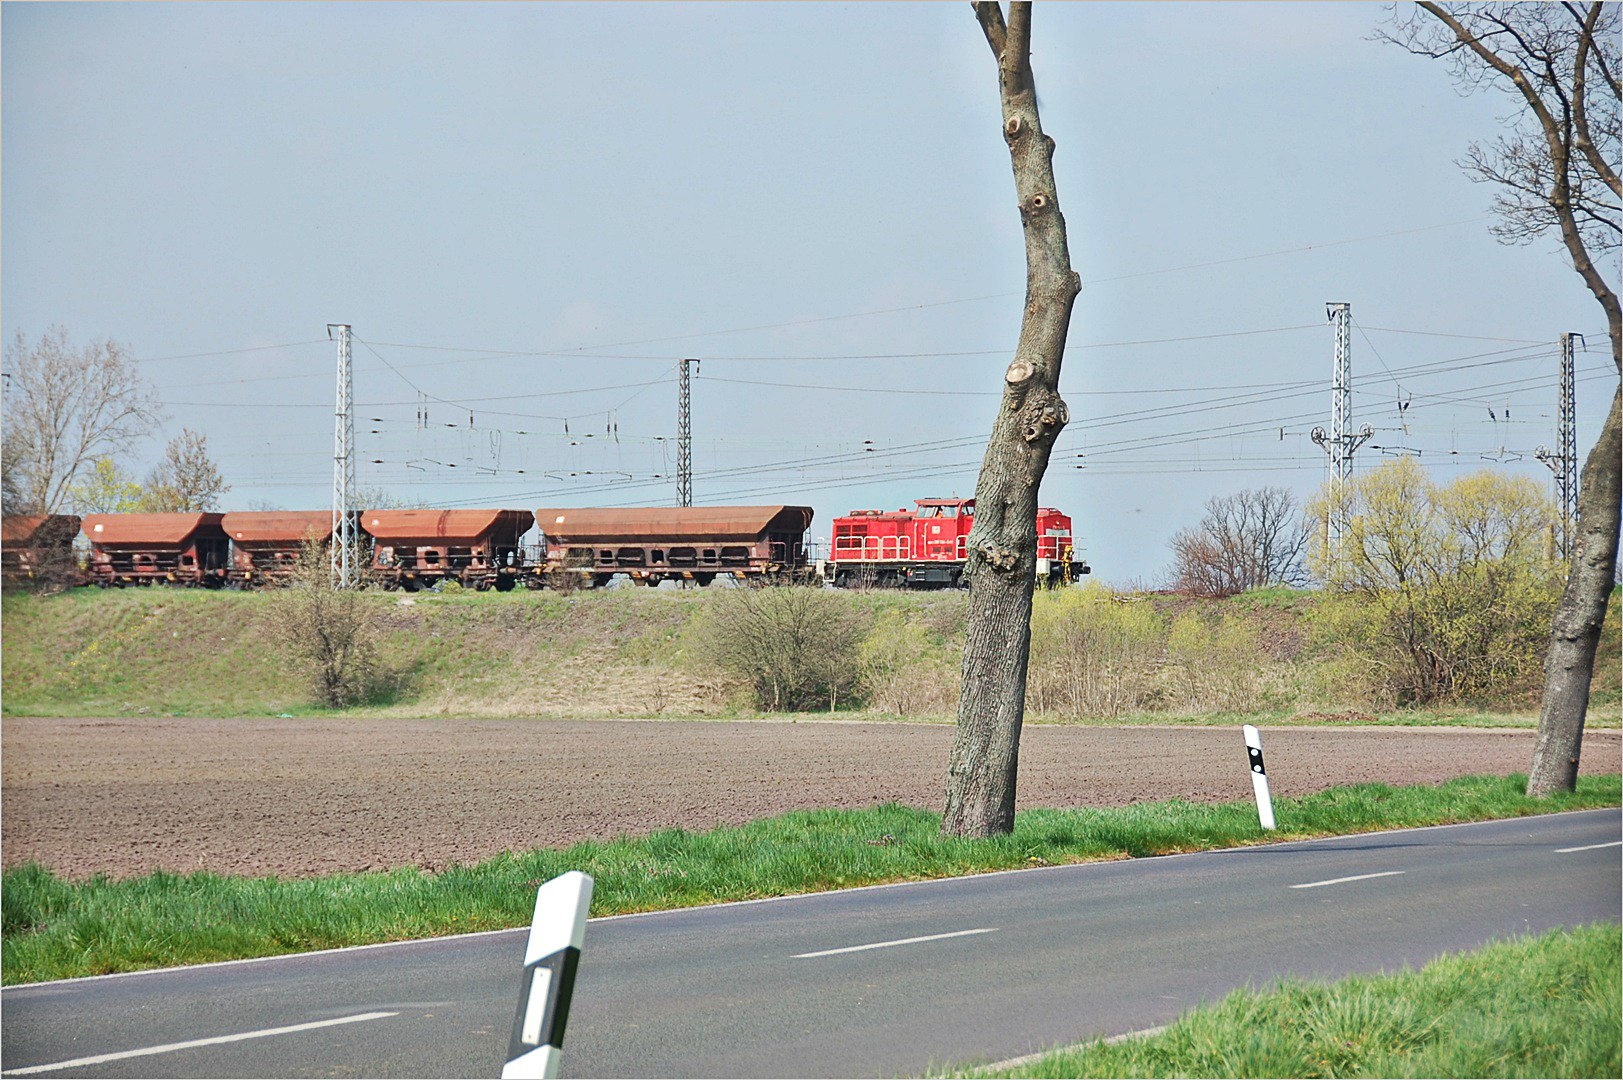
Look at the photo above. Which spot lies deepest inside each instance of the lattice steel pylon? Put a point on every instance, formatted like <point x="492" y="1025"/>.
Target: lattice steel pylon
<point x="1340" y="443"/>
<point x="343" y="467"/>
<point x="684" y="437"/>
<point x="1564" y="462"/>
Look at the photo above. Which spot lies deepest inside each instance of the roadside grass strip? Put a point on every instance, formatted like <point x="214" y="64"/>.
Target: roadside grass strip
<point x="56" y="929"/>
<point x="1539" y="1006"/>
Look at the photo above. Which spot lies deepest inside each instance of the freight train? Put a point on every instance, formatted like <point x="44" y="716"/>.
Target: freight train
<point x="580" y="547"/>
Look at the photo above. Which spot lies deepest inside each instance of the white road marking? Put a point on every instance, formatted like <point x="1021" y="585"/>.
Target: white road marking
<point x="1355" y="877"/>
<point x="1587" y="847"/>
<point x="216" y="1041"/>
<point x="888" y="944"/>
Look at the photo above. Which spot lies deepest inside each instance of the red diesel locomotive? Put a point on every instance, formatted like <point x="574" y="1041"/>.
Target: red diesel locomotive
<point x="926" y="548"/>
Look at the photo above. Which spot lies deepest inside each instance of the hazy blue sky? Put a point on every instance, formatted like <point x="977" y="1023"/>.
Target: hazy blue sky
<point x="530" y="213"/>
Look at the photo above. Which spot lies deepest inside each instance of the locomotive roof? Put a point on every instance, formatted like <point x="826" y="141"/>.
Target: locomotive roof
<point x="442" y="524"/>
<point x="267" y="526"/>
<point x="652" y="523"/>
<point x="148" y="528"/>
<point x="22" y="528"/>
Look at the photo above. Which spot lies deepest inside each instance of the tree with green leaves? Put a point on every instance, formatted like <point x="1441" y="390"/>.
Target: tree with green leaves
<point x="106" y="488"/>
<point x="1444" y="590"/>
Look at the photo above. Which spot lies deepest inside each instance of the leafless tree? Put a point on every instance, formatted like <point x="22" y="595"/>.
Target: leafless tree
<point x="66" y="406"/>
<point x="1002" y="554"/>
<point x="186" y="479"/>
<point x="1246" y="541"/>
<point x="1556" y="170"/>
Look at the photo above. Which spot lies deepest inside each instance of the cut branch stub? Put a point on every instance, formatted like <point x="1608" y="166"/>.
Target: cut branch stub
<point x="1001" y="560"/>
<point x="1011" y="127"/>
<point x="1019" y="372"/>
<point x="1046" y="420"/>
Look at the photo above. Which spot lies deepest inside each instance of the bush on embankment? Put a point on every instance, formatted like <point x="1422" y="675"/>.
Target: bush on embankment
<point x="1097" y="656"/>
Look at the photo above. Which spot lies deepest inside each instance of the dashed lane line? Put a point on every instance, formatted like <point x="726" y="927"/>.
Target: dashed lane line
<point x="890" y="944"/>
<point x="1343" y="880"/>
<point x="168" y="1048"/>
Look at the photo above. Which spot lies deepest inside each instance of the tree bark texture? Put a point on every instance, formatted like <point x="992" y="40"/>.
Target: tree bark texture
<point x="1536" y="65"/>
<point x="1575" y="627"/>
<point x="1002" y="555"/>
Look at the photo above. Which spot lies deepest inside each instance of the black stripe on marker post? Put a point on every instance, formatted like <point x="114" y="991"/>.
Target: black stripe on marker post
<point x="532" y="1030"/>
<point x="1259" y="776"/>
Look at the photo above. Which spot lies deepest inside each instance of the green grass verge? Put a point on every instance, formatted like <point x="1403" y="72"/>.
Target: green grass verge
<point x="1541" y="1006"/>
<point x="59" y="929"/>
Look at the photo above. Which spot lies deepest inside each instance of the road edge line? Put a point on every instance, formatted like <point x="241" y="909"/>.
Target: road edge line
<point x="517" y="930"/>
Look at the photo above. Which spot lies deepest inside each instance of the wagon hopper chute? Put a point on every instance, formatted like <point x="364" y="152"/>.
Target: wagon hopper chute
<point x="141" y="549"/>
<point x="479" y="549"/>
<point x="265" y="544"/>
<point x="38" y="548"/>
<point x="692" y="543"/>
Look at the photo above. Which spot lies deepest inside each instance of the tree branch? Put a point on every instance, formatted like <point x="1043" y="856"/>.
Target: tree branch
<point x="991" y="20"/>
<point x="1560" y="168"/>
<point x="1580" y="64"/>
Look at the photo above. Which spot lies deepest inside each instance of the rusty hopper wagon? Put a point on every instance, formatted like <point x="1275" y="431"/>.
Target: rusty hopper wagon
<point x="38" y="548"/>
<point x="693" y="543"/>
<point x="142" y="549"/>
<point x="265" y="544"/>
<point x="478" y="549"/>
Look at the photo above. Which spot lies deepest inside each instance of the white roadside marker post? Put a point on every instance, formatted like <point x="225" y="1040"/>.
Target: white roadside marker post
<point x="550" y="960"/>
<point x="1259" y="777"/>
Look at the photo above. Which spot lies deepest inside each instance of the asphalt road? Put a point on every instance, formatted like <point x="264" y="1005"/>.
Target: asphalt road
<point x="868" y="982"/>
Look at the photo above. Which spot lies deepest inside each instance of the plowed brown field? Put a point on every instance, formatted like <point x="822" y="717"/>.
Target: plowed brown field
<point x="304" y="797"/>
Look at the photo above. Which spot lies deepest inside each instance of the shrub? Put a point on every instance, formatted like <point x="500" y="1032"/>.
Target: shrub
<point x="1093" y="653"/>
<point x="328" y="633"/>
<point x="1216" y="667"/>
<point x="906" y="672"/>
<point x="794" y="646"/>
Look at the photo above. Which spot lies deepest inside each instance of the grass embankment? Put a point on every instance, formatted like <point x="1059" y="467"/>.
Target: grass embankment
<point x="1097" y="658"/>
<point x="1544" y="1006"/>
<point x="57" y="929"/>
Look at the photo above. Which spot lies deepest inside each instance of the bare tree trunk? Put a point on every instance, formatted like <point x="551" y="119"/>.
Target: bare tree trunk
<point x="1002" y="558"/>
<point x="1575" y="628"/>
<point x="1563" y="182"/>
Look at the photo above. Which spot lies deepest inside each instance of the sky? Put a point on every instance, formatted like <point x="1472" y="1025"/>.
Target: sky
<point x="531" y="213"/>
